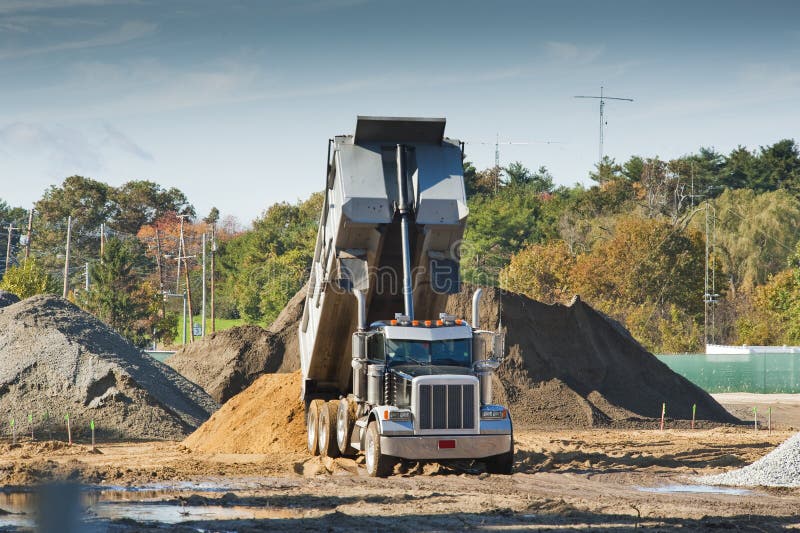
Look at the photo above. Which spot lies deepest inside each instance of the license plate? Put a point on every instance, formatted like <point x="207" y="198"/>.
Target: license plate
<point x="447" y="444"/>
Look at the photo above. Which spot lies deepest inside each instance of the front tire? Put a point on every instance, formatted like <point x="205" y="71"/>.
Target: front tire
<point x="327" y="429"/>
<point x="312" y="425"/>
<point x="501" y="464"/>
<point x="378" y="465"/>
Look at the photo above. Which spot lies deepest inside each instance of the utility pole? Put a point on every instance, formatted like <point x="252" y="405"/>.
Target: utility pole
<point x="29" y="234"/>
<point x="603" y="99"/>
<point x="160" y="274"/>
<point x="184" y="317"/>
<point x="213" y="253"/>
<point x="11" y="229"/>
<point x="182" y="248"/>
<point x="102" y="240"/>
<point x="203" y="305"/>
<point x="181" y="252"/>
<point x="66" y="257"/>
<point x="497" y="144"/>
<point x="86" y="274"/>
<point x="710" y="296"/>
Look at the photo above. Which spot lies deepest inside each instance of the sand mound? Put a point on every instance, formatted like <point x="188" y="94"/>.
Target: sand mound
<point x="7" y="298"/>
<point x="227" y="362"/>
<point x="571" y="366"/>
<point x="58" y="360"/>
<point x="267" y="417"/>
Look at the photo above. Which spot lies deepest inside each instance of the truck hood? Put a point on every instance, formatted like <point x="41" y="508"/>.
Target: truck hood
<point x="412" y="371"/>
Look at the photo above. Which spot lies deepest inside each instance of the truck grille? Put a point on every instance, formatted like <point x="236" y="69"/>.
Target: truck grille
<point x="447" y="406"/>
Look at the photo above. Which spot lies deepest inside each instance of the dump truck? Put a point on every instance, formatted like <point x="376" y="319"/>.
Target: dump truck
<point x="385" y="370"/>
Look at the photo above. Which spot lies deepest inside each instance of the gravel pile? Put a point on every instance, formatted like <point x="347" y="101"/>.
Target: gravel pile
<point x="57" y="360"/>
<point x="779" y="468"/>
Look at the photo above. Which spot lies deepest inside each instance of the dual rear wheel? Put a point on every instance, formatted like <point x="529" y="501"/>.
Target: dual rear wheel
<point x="329" y="426"/>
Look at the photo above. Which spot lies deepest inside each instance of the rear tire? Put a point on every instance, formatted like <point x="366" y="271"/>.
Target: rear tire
<point x="345" y="422"/>
<point x="501" y="464"/>
<point x="312" y="425"/>
<point x="327" y="429"/>
<point x="378" y="465"/>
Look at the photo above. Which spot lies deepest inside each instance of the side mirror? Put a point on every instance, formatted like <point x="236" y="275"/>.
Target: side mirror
<point x="359" y="346"/>
<point x="499" y="347"/>
<point x="487" y="349"/>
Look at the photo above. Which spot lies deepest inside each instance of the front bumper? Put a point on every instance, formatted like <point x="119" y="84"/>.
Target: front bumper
<point x="427" y="447"/>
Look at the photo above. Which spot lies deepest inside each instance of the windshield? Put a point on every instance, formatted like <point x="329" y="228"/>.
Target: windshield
<point x="447" y="352"/>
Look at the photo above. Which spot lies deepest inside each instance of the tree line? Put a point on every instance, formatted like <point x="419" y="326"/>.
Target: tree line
<point x="638" y="244"/>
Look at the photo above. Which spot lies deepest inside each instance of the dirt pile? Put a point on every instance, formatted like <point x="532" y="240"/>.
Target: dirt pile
<point x="7" y="298"/>
<point x="57" y="360"/>
<point x="572" y="366"/>
<point x="267" y="417"/>
<point x="227" y="362"/>
<point x="566" y="366"/>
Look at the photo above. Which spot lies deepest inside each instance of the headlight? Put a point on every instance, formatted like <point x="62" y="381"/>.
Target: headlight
<point x="400" y="416"/>
<point x="493" y="413"/>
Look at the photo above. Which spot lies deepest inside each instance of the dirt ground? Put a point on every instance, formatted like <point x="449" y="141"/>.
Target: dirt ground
<point x="611" y="480"/>
<point x="781" y="410"/>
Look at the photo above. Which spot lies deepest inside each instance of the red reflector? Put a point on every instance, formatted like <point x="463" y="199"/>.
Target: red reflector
<point x="447" y="444"/>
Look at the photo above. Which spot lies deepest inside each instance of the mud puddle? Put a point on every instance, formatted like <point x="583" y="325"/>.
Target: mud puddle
<point x="165" y="504"/>
<point x="695" y="489"/>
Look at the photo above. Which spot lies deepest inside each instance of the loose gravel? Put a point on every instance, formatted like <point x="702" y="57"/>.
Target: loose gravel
<point x="779" y="468"/>
<point x="59" y="363"/>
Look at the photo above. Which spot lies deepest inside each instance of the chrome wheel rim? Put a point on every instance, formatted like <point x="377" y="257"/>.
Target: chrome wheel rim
<point x="370" y="453"/>
<point x="340" y="429"/>
<point x="311" y="432"/>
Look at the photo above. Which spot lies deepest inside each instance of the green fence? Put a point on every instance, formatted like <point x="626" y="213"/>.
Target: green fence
<point x="760" y="372"/>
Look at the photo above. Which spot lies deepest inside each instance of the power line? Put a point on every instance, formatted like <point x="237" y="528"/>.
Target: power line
<point x="603" y="99"/>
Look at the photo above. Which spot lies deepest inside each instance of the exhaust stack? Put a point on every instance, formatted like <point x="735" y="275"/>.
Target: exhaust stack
<point x="402" y="205"/>
<point x="476" y="298"/>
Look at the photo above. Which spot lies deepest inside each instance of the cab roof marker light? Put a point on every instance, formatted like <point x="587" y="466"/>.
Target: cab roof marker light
<point x="401" y="319"/>
<point x="459" y="322"/>
<point x="415" y="322"/>
<point x="440" y="322"/>
<point x="446" y="319"/>
<point x="428" y="323"/>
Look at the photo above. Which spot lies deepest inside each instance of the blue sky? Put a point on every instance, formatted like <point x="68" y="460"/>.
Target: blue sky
<point x="233" y="102"/>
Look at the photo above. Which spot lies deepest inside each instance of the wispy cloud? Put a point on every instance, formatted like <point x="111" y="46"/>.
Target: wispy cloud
<point x="773" y="77"/>
<point x="26" y="6"/>
<point x="320" y="6"/>
<point x="129" y="31"/>
<point x="571" y="52"/>
<point x="63" y="147"/>
<point x="29" y="23"/>
<point x="158" y="87"/>
<point x="121" y="141"/>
